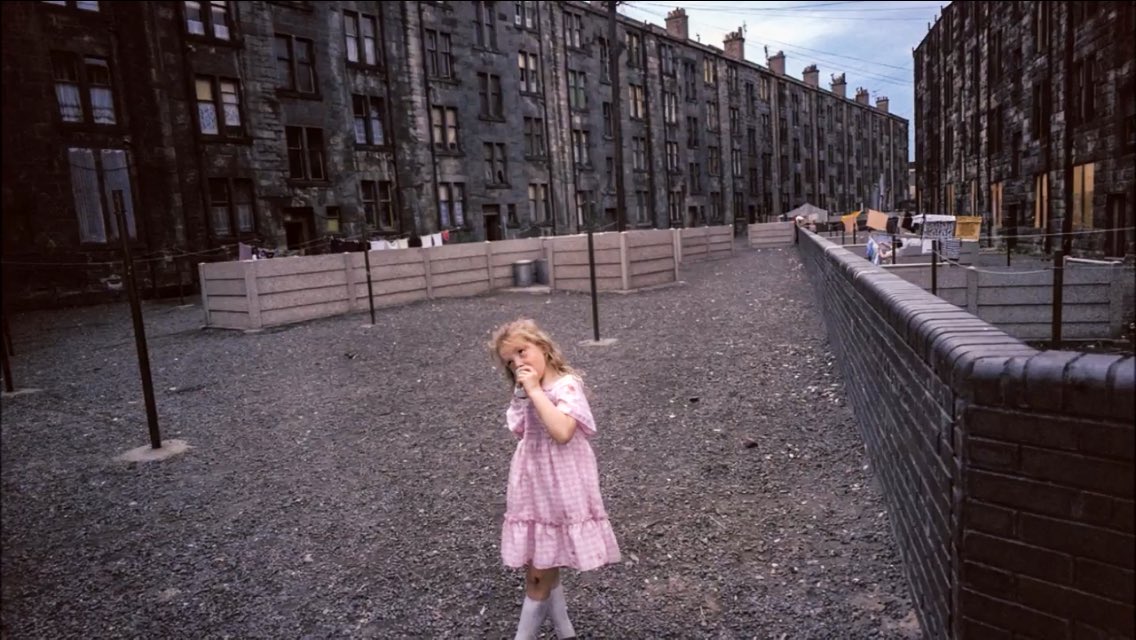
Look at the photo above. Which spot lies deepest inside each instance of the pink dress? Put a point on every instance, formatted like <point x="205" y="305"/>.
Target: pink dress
<point x="554" y="515"/>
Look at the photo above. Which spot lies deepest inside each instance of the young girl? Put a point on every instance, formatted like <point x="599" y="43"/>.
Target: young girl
<point x="554" y="515"/>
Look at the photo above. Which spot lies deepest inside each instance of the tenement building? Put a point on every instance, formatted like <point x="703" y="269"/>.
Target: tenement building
<point x="283" y="124"/>
<point x="992" y="110"/>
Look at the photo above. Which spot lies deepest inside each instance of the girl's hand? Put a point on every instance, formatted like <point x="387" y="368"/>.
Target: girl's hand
<point x="526" y="377"/>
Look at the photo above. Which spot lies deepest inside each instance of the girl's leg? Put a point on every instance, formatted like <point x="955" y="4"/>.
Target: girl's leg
<point x="558" y="609"/>
<point x="535" y="608"/>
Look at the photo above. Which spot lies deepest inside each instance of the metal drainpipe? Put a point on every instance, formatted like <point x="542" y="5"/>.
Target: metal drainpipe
<point x="429" y="116"/>
<point x="544" y="84"/>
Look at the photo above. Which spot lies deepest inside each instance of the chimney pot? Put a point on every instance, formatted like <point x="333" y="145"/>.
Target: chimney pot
<point x="678" y="25"/>
<point x="811" y="76"/>
<point x="839" y="86"/>
<point x="777" y="63"/>
<point x="734" y="45"/>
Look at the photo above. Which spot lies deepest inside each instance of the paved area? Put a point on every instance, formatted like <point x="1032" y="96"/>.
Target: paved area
<point x="349" y="482"/>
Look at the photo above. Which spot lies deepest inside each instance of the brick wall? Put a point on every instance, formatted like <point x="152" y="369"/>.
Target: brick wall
<point x="1008" y="472"/>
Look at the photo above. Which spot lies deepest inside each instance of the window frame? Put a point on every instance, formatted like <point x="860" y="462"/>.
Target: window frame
<point x="294" y="90"/>
<point x="208" y="23"/>
<point x="360" y="47"/>
<point x="368" y="121"/>
<point x="84" y="85"/>
<point x="224" y="131"/>
<point x="231" y="204"/>
<point x="307" y="150"/>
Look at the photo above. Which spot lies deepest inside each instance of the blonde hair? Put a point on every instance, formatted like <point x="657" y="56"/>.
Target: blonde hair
<point x="527" y="330"/>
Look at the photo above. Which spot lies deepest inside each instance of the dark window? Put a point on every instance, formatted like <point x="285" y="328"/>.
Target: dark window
<point x="305" y="153"/>
<point x="1084" y="90"/>
<point x="439" y="54"/>
<point x="231" y="206"/>
<point x="667" y="56"/>
<point x="218" y="106"/>
<point x="100" y="181"/>
<point x="485" y="25"/>
<point x="83" y="88"/>
<point x="378" y="204"/>
<point x="370" y="120"/>
<point x="490" y="94"/>
<point x="524" y="15"/>
<point x="496" y="170"/>
<point x="72" y="4"/>
<point x="295" y="64"/>
<point x="362" y="43"/>
<point x="607" y="121"/>
<point x="574" y="30"/>
<point x="634" y="50"/>
<point x="534" y="137"/>
<point x="444" y="126"/>
<point x="451" y="205"/>
<point x="208" y="19"/>
<point x="577" y="90"/>
<point x="529" y="66"/>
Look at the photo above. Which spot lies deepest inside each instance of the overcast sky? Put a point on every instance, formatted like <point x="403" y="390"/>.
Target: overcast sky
<point x="870" y="41"/>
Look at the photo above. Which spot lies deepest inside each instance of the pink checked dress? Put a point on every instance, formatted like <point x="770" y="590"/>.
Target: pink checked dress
<point x="554" y="515"/>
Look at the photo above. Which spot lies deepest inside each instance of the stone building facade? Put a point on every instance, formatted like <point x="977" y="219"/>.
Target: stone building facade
<point x="279" y="124"/>
<point x="991" y="111"/>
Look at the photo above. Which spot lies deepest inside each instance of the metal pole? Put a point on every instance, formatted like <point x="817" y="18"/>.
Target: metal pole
<point x="1058" y="296"/>
<point x="1071" y="120"/>
<point x="139" y="327"/>
<point x="181" y="291"/>
<point x="796" y="235"/>
<point x="615" y="47"/>
<point x="370" y="290"/>
<point x="1007" y="241"/>
<point x="894" y="251"/>
<point x="5" y="366"/>
<point x="842" y="231"/>
<point x="592" y="275"/>
<point x="6" y="330"/>
<point x="935" y="267"/>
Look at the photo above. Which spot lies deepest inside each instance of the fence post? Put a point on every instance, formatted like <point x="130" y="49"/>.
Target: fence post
<point x="934" y="267"/>
<point x="1057" y="297"/>
<point x="624" y="262"/>
<point x="252" y="293"/>
<point x="348" y="268"/>
<point x="894" y="251"/>
<point x="370" y="287"/>
<point x="204" y="293"/>
<point x="488" y="264"/>
<point x="426" y="265"/>
<point x="549" y="256"/>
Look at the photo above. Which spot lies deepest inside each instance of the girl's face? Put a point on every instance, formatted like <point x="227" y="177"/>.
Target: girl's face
<point x="516" y="352"/>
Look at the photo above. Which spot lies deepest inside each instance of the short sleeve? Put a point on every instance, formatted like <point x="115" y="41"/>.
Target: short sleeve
<point x="515" y="416"/>
<point x="571" y="400"/>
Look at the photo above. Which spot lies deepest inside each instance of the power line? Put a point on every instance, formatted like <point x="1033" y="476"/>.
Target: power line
<point x="824" y="7"/>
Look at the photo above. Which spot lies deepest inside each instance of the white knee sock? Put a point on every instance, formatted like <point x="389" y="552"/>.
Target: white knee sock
<point x="558" y="611"/>
<point x="533" y="613"/>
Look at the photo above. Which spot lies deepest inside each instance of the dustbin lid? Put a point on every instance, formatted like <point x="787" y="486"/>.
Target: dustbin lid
<point x="523" y="262"/>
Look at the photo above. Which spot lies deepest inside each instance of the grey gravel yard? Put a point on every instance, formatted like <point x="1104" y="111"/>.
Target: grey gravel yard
<point x="349" y="482"/>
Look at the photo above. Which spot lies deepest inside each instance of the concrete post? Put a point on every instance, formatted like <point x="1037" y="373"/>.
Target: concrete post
<point x="349" y="267"/>
<point x="624" y="261"/>
<point x="549" y="257"/>
<point x="426" y="265"/>
<point x="972" y="291"/>
<point x="204" y="291"/>
<point x="488" y="264"/>
<point x="252" y="293"/>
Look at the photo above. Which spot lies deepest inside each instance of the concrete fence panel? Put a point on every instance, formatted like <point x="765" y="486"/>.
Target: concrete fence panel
<point x="766" y="235"/>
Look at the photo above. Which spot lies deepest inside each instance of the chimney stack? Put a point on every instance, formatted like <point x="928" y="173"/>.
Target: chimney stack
<point x="862" y="95"/>
<point x="811" y="76"/>
<point x="678" y="25"/>
<point x="882" y="103"/>
<point x="839" y="85"/>
<point x="777" y="63"/>
<point x="734" y="44"/>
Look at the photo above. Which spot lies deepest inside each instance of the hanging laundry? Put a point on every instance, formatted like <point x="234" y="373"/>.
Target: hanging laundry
<point x="446" y="235"/>
<point x="436" y="239"/>
<point x="378" y="245"/>
<point x="402" y="243"/>
<point x="427" y="241"/>
<point x="244" y="251"/>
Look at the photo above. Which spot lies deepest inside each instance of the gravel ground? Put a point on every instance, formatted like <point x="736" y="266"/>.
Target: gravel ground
<point x="349" y="482"/>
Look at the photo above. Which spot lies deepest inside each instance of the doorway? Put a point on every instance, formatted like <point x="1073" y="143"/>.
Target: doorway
<point x="299" y="227"/>
<point x="492" y="215"/>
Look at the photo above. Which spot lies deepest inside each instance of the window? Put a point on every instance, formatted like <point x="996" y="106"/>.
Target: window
<point x="735" y="121"/>
<point x="751" y="99"/>
<point x="670" y="107"/>
<point x="672" y="156"/>
<point x="295" y="66"/>
<point x="231" y="206"/>
<point x="534" y="137"/>
<point x="490" y="93"/>
<point x="634" y="50"/>
<point x="529" y="66"/>
<point x="994" y="56"/>
<point x="737" y="161"/>
<point x="305" y="153"/>
<point x="641" y="201"/>
<point x="709" y="71"/>
<point x="995" y="135"/>
<point x="585" y="207"/>
<point x="639" y="154"/>
<point x="361" y="31"/>
<point x="715" y="207"/>
<point x="732" y="78"/>
<point x="763" y="89"/>
<point x="444" y="123"/>
<point x="332" y="218"/>
<point x="378" y="204"/>
<point x="577" y="90"/>
<point x="608" y="129"/>
<point x="1084" y="106"/>
<point x="1041" y="110"/>
<point x="72" y="4"/>
<point x="1083" y="177"/>
<point x="674" y="207"/>
<point x="638" y="105"/>
<point x="370" y="120"/>
<point x="451" y="205"/>
<point x="496" y="172"/>
<point x="525" y="14"/>
<point x="996" y="204"/>
<point x="484" y="25"/>
<point x="511" y="216"/>
<point x="214" y="23"/>
<point x="580" y="153"/>
<point x="714" y="160"/>
<point x="574" y="30"/>
<point x="605" y="61"/>
<point x="218" y="96"/>
<point x="97" y="175"/>
<point x="695" y="177"/>
<point x="1041" y="200"/>
<point x="609" y="171"/>
<point x="692" y="132"/>
<point x="439" y="54"/>
<point x="751" y="141"/>
<point x="753" y="181"/>
<point x="83" y="89"/>
<point x="765" y="121"/>
<point x="538" y="203"/>
<point x="1041" y="26"/>
<point x="712" y="115"/>
<point x="667" y="57"/>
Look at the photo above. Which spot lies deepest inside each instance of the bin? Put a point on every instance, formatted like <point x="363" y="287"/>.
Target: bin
<point x="523" y="273"/>
<point x="540" y="272"/>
